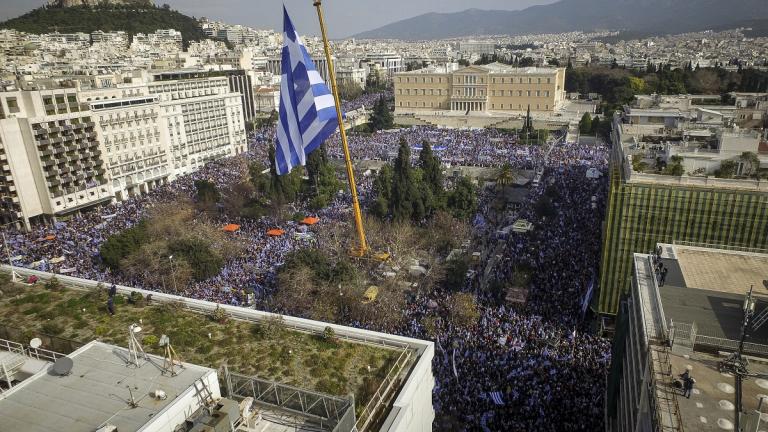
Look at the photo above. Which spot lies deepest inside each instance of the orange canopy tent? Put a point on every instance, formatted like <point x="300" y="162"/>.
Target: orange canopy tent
<point x="275" y="232"/>
<point x="50" y="237"/>
<point x="310" y="220"/>
<point x="231" y="227"/>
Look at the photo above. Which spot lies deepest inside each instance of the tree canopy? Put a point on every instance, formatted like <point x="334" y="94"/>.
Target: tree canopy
<point x="108" y="18"/>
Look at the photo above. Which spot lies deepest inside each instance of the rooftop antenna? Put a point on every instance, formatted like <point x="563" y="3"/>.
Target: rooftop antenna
<point x="170" y="359"/>
<point x="134" y="347"/>
<point x="735" y="363"/>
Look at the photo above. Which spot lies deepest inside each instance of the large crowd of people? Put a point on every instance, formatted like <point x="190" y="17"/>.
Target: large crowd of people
<point x="521" y="367"/>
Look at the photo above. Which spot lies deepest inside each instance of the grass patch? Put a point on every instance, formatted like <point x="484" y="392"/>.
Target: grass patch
<point x="266" y="349"/>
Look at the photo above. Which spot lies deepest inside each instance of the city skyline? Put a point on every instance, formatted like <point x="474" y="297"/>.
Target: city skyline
<point x="344" y="17"/>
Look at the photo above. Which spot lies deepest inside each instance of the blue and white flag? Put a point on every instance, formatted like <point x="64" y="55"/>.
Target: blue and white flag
<point x="496" y="398"/>
<point x="307" y="107"/>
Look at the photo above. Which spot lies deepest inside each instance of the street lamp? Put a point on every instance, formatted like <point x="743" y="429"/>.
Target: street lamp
<point x="173" y="275"/>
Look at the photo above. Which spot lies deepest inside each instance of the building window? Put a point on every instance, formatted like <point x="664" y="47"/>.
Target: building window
<point x="549" y="80"/>
<point x="538" y="93"/>
<point x="546" y="93"/>
<point x="528" y="93"/>
<point x="520" y="93"/>
<point x="13" y="105"/>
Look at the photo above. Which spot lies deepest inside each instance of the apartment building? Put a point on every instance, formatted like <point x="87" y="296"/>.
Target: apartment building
<point x="53" y="159"/>
<point x="204" y="119"/>
<point x="71" y="144"/>
<point x="135" y="147"/>
<point x="492" y="88"/>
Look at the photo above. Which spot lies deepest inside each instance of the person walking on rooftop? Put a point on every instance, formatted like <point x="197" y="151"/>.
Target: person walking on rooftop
<point x="688" y="386"/>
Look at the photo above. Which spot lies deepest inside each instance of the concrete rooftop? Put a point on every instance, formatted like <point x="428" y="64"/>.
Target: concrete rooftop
<point x="93" y="394"/>
<point x="713" y="397"/>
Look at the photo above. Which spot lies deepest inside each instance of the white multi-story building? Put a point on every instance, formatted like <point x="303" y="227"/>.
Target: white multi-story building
<point x="204" y="119"/>
<point x="135" y="147"/>
<point x="81" y="142"/>
<point x="52" y="159"/>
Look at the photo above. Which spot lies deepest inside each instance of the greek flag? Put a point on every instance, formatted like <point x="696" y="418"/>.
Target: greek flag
<point x="496" y="397"/>
<point x="307" y="107"/>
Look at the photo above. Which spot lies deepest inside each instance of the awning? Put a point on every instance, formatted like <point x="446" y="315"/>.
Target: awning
<point x="231" y="227"/>
<point x="310" y="220"/>
<point x="275" y="232"/>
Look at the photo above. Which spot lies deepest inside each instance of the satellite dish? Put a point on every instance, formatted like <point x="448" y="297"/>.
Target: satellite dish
<point x="134" y="328"/>
<point x="35" y="343"/>
<point x="164" y="340"/>
<point x="63" y="366"/>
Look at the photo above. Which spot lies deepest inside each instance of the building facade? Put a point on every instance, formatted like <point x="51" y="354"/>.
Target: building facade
<point x="489" y="88"/>
<point x="74" y="144"/>
<point x="649" y="208"/>
<point x="135" y="148"/>
<point x="54" y="161"/>
<point x="204" y="119"/>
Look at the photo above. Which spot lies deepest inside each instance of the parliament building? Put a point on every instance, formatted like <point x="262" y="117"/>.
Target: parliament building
<point x="493" y="88"/>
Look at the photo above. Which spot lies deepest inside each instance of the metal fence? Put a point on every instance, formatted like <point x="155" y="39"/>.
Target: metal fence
<point x="322" y="411"/>
<point x="54" y="346"/>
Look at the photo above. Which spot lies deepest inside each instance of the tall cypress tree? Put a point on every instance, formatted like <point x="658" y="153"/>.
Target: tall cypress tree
<point x="430" y="165"/>
<point x="401" y="204"/>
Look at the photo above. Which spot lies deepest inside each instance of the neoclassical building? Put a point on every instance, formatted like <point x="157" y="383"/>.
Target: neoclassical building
<point x="489" y="88"/>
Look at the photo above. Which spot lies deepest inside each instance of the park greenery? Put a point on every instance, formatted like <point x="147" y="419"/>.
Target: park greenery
<point x="107" y="17"/>
<point x="618" y="86"/>
<point x="381" y="117"/>
<point x="169" y="238"/>
<point x="403" y="192"/>
<point x="266" y="349"/>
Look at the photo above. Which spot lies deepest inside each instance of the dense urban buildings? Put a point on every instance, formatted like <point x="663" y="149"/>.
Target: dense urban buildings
<point x="81" y="142"/>
<point x="665" y="186"/>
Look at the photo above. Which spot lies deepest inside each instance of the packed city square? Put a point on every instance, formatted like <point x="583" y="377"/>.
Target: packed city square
<point x="521" y="367"/>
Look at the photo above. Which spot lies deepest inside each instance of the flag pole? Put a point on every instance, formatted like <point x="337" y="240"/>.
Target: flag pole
<point x="363" y="247"/>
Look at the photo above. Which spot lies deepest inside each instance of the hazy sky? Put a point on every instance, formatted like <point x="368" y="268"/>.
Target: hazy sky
<point x="343" y="17"/>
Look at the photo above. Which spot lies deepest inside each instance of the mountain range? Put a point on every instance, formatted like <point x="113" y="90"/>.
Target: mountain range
<point x="649" y="16"/>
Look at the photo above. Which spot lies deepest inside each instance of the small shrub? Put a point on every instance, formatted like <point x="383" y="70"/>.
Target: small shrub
<point x="149" y="340"/>
<point x="136" y="299"/>
<point x="51" y="328"/>
<point x="204" y="349"/>
<point x="329" y="335"/>
<point x="101" y="330"/>
<point x="257" y="331"/>
<point x="219" y="315"/>
<point x="53" y="284"/>
<point x="119" y="299"/>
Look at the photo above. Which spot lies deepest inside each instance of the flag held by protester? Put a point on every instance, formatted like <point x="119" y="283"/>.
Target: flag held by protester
<point x="307" y="108"/>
